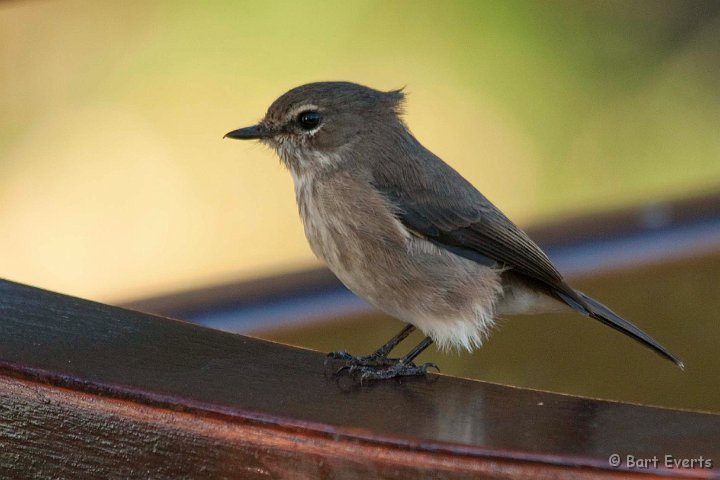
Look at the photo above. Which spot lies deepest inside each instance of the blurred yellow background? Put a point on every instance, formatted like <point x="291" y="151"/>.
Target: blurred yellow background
<point x="115" y="181"/>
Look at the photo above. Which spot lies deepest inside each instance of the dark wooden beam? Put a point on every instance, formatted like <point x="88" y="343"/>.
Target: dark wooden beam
<point x="92" y="391"/>
<point x="556" y="237"/>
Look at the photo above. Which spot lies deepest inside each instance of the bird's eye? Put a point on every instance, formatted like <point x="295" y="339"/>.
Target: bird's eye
<point x="309" y="120"/>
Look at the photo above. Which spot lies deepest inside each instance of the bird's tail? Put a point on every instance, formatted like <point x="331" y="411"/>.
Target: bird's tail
<point x="600" y="312"/>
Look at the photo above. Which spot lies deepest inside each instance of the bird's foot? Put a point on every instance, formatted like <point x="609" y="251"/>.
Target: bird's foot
<point x="398" y="369"/>
<point x="372" y="360"/>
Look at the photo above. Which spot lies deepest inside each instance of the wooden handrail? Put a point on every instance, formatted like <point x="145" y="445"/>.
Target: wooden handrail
<point x="94" y="391"/>
<point x="560" y="238"/>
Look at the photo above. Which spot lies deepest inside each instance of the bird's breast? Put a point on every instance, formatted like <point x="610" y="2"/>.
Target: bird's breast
<point x="355" y="231"/>
<point x="345" y="221"/>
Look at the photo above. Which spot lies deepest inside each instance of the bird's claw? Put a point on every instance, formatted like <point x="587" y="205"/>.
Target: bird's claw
<point x="377" y="367"/>
<point x="371" y="360"/>
<point x="399" y="369"/>
<point x="340" y="356"/>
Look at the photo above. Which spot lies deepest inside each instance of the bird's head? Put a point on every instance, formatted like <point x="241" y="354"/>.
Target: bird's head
<point x="312" y="125"/>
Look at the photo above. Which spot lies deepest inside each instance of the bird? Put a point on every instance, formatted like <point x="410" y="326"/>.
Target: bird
<point x="402" y="229"/>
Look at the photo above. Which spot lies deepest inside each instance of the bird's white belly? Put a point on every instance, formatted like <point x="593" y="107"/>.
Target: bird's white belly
<point x="449" y="298"/>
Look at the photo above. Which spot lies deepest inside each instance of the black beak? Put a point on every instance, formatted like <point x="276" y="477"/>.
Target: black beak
<point x="248" y="133"/>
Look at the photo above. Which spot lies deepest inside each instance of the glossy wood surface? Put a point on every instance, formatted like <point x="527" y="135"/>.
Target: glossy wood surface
<point x="99" y="388"/>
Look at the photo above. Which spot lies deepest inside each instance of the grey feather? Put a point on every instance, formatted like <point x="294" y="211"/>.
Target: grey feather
<point x="436" y="202"/>
<point x="600" y="312"/>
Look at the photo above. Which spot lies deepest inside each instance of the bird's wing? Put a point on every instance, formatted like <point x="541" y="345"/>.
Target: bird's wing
<point x="435" y="202"/>
<point x="438" y="204"/>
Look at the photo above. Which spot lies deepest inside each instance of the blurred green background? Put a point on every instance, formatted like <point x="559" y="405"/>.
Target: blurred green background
<point x="115" y="182"/>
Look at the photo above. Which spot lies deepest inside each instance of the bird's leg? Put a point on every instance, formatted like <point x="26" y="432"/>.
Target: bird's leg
<point x="403" y="367"/>
<point x="380" y="356"/>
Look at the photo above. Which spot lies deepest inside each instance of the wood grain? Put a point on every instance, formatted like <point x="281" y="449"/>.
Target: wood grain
<point x="93" y="391"/>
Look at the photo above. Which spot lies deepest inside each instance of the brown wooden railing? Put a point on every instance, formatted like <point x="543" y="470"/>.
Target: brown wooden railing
<point x="94" y="391"/>
<point x="555" y="237"/>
